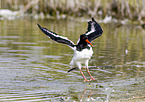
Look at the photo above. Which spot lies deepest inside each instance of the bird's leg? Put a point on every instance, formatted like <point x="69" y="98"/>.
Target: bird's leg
<point x="83" y="76"/>
<point x="79" y="66"/>
<point x="91" y="75"/>
<point x="86" y="64"/>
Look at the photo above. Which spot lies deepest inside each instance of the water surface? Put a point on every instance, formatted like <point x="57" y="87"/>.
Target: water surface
<point x="34" y="68"/>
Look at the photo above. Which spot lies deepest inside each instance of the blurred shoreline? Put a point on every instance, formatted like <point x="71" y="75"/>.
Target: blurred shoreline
<point x="133" y="10"/>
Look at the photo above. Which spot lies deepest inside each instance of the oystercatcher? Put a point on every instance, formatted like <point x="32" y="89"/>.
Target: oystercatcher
<point x="82" y="50"/>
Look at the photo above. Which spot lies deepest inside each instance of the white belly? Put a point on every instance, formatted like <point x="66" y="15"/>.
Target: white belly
<point x="81" y="56"/>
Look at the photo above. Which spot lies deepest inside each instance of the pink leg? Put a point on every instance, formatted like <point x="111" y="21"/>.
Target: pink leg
<point x="83" y="76"/>
<point x="91" y="75"/>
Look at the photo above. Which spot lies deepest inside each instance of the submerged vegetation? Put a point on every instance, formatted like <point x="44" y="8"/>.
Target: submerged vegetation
<point x="120" y="9"/>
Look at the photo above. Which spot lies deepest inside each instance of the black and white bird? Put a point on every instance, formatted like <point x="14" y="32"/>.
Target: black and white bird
<point x="82" y="50"/>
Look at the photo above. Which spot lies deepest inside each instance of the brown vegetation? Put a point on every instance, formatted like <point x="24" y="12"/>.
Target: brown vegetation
<point x="132" y="9"/>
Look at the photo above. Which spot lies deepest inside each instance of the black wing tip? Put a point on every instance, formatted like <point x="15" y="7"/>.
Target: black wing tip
<point x="93" y="19"/>
<point x="97" y="23"/>
<point x="38" y="25"/>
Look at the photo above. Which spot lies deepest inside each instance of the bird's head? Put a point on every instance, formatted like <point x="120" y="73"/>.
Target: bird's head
<point x="84" y="37"/>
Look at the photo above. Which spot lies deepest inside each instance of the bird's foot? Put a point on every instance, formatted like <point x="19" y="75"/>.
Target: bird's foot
<point x="93" y="78"/>
<point x="86" y="80"/>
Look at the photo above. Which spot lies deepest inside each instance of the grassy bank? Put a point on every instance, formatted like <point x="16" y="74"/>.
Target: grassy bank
<point x="120" y="9"/>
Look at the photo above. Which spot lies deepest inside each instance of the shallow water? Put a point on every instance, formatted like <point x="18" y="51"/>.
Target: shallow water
<point x="34" y="68"/>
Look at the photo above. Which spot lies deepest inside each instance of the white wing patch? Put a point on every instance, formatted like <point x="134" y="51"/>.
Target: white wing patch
<point x="78" y="41"/>
<point x="92" y="29"/>
<point x="58" y="36"/>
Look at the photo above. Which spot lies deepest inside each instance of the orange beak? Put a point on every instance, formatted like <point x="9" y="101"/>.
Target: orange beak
<point x="88" y="42"/>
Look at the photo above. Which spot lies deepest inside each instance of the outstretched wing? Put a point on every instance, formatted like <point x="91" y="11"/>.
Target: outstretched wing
<point x="56" y="37"/>
<point x="94" y="30"/>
